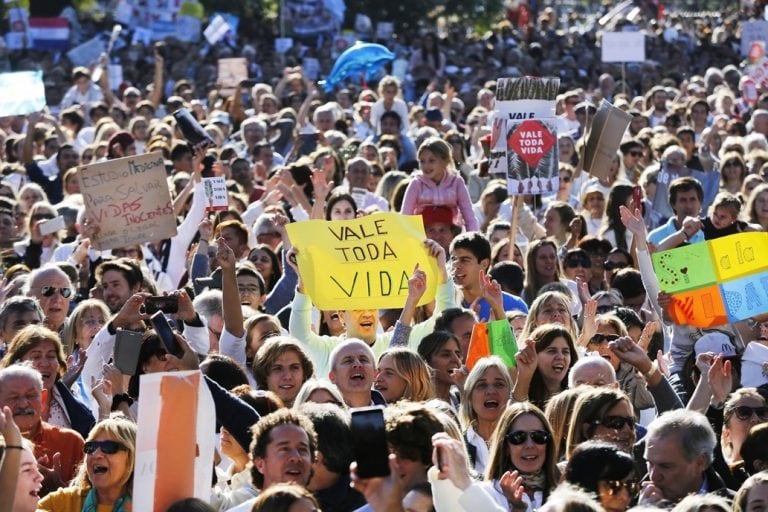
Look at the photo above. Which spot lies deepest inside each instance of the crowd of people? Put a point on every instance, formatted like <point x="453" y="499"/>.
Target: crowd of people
<point x="612" y="403"/>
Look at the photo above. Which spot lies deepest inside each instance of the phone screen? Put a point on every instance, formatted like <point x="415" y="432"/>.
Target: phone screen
<point x="164" y="331"/>
<point x="369" y="439"/>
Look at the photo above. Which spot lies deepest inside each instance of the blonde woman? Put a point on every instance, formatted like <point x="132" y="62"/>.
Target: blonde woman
<point x="403" y="375"/>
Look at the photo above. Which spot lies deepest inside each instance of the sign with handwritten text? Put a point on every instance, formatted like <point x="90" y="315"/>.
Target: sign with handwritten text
<point x="716" y="282"/>
<point x="364" y="263"/>
<point x="128" y="200"/>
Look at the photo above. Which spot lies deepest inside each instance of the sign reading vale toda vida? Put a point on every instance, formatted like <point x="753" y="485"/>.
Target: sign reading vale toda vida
<point x="363" y="263"/>
<point x="128" y="199"/>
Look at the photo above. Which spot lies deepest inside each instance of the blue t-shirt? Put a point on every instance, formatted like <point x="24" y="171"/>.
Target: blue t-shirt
<point x="511" y="303"/>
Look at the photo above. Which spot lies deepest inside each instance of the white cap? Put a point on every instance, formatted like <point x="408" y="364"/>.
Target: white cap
<point x="715" y="342"/>
<point x="754" y="365"/>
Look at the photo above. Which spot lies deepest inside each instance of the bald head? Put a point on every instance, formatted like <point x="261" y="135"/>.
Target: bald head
<point x="592" y="371"/>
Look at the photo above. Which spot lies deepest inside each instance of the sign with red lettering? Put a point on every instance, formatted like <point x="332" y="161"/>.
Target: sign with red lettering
<point x="531" y="140"/>
<point x="128" y="200"/>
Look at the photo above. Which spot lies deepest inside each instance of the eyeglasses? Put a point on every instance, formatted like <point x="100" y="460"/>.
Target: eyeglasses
<point x="518" y="437"/>
<point x="106" y="447"/>
<point x="48" y="291"/>
<point x="578" y="262"/>
<point x="616" y="422"/>
<point x="615" y="486"/>
<point x="614" y="265"/>
<point x="636" y="154"/>
<point x="599" y="338"/>
<point x="745" y="412"/>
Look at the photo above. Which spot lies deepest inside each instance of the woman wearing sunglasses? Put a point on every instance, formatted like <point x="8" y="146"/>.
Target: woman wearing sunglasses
<point x="602" y="414"/>
<point x="744" y="409"/>
<point x="522" y="469"/>
<point x="105" y="479"/>
<point x="605" y="471"/>
<point x="42" y="348"/>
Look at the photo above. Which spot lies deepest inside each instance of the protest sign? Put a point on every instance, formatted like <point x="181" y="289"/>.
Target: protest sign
<point x="751" y="31"/>
<point x="524" y="135"/>
<point x="231" y="73"/>
<point x="623" y="47"/>
<point x="364" y="263"/>
<point x="216" y="193"/>
<point x="128" y="200"/>
<point x="216" y="29"/>
<point x="17" y="38"/>
<point x="608" y="127"/>
<point x="88" y="52"/>
<point x="716" y="282"/>
<point x="175" y="440"/>
<point x="23" y="93"/>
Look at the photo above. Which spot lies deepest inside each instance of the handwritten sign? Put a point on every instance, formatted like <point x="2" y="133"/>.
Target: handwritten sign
<point x="623" y="47"/>
<point x="216" y="193"/>
<point x="716" y="282"/>
<point x="364" y="263"/>
<point x="128" y="199"/>
<point x="175" y="441"/>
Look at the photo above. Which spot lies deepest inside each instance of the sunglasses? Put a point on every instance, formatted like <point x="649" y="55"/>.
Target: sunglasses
<point x="578" y="262"/>
<point x="616" y="422"/>
<point x="106" y="447"/>
<point x="636" y="154"/>
<point x="518" y="437"/>
<point x="745" y="412"/>
<point x="615" y="486"/>
<point x="599" y="338"/>
<point x="565" y="179"/>
<point x="605" y="309"/>
<point x="48" y="291"/>
<point x="614" y="265"/>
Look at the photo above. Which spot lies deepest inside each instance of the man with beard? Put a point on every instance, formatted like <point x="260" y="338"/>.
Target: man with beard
<point x="48" y="173"/>
<point x="61" y="449"/>
<point x="118" y="279"/>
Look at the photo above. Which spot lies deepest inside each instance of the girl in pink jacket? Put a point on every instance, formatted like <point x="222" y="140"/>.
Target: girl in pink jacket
<point x="438" y="184"/>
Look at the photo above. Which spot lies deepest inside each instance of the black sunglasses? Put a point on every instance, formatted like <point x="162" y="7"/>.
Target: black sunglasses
<point x="599" y="338"/>
<point x="107" y="447"/>
<point x="518" y="437"/>
<point x="745" y="412"/>
<point x="616" y="422"/>
<point x="605" y="309"/>
<point x="575" y="262"/>
<point x="47" y="291"/>
<point x="636" y="154"/>
<point x="615" y="486"/>
<point x="614" y="265"/>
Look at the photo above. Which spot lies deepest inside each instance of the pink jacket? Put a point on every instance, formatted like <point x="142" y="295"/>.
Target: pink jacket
<point x="452" y="192"/>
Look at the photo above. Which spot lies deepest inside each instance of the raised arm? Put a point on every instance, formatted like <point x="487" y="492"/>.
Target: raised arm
<point x="157" y="83"/>
<point x="233" y="313"/>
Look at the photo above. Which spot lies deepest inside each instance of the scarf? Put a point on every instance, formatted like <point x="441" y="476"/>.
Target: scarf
<point x="535" y="481"/>
<point x="92" y="501"/>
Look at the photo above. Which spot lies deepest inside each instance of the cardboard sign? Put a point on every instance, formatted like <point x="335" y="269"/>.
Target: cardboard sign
<point x="128" y="199"/>
<point x="608" y="127"/>
<point x="216" y="193"/>
<point x="716" y="282"/>
<point x="364" y="263"/>
<point x="623" y="47"/>
<point x="175" y="441"/>
<point x="23" y="93"/>
<point x="231" y="73"/>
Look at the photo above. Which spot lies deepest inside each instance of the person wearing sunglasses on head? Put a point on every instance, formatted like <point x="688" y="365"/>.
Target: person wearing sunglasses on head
<point x="53" y="290"/>
<point x="522" y="470"/>
<point x="606" y="471"/>
<point x="105" y="479"/>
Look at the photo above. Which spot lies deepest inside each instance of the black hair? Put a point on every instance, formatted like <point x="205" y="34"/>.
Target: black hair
<point x="593" y="461"/>
<point x="475" y="242"/>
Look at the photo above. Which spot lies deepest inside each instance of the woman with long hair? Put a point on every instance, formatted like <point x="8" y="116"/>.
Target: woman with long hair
<point x="613" y="229"/>
<point x="403" y="375"/>
<point x="541" y="267"/>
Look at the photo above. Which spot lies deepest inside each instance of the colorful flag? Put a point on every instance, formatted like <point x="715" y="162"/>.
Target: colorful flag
<point x="49" y="33"/>
<point x="492" y="339"/>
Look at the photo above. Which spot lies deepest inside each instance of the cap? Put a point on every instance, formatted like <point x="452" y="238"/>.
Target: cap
<point x="434" y="115"/>
<point x="717" y="343"/>
<point x="754" y="365"/>
<point x="81" y="71"/>
<point x="221" y="118"/>
<point x="438" y="214"/>
<point x="584" y="105"/>
<point x="131" y="91"/>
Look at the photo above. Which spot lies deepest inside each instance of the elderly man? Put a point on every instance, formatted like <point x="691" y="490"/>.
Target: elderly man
<point x="53" y="290"/>
<point x="357" y="176"/>
<point x="21" y="389"/>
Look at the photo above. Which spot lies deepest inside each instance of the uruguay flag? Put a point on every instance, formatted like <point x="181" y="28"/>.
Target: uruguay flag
<point x="49" y="33"/>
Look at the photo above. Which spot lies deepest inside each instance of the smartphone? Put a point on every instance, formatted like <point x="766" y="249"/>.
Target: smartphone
<point x="52" y="225"/>
<point x="166" y="304"/>
<point x="637" y="196"/>
<point x="127" y="348"/>
<point x="369" y="442"/>
<point x="164" y="331"/>
<point x="248" y="83"/>
<point x="439" y="458"/>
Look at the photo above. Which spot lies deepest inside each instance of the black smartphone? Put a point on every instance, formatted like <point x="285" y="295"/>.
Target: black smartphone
<point x="127" y="349"/>
<point x="439" y="458"/>
<point x="164" y="331"/>
<point x="164" y="303"/>
<point x="369" y="442"/>
<point x="248" y="83"/>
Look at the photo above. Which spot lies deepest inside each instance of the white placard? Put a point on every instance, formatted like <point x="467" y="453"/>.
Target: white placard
<point x="623" y="47"/>
<point x="217" y="29"/>
<point x="216" y="193"/>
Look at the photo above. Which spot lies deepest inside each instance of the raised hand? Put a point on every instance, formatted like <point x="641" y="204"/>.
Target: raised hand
<point x="224" y="255"/>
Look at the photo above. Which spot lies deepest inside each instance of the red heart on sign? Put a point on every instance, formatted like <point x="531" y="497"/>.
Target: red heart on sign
<point x="531" y="141"/>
